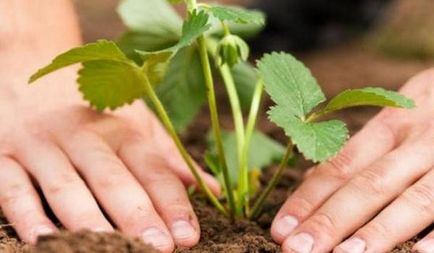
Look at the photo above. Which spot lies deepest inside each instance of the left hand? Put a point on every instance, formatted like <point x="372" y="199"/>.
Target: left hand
<point x="377" y="192"/>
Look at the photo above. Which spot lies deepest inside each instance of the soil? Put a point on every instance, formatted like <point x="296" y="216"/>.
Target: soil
<point x="219" y="234"/>
<point x="88" y="242"/>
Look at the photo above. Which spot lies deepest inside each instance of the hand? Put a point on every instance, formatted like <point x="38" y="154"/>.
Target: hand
<point x="377" y="192"/>
<point x="88" y="164"/>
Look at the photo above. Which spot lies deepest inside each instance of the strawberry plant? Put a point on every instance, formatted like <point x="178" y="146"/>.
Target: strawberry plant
<point x="173" y="64"/>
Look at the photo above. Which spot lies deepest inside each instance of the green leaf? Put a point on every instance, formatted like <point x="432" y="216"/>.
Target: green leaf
<point x="150" y="16"/>
<point x="145" y="41"/>
<point x="245" y="31"/>
<point x="195" y="26"/>
<point x="155" y="66"/>
<point x="263" y="152"/>
<point x="108" y="79"/>
<point x="182" y="91"/>
<point x="290" y="84"/>
<point x="367" y="97"/>
<point x="238" y="15"/>
<point x="100" y="50"/>
<point x="152" y="25"/>
<point x="246" y="78"/>
<point x="317" y="141"/>
<point x="110" y="83"/>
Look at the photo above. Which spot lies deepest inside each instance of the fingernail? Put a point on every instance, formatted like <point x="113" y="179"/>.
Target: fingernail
<point x="102" y="230"/>
<point x="425" y="246"/>
<point x="41" y="231"/>
<point x="353" y="245"/>
<point x="182" y="230"/>
<point x="301" y="243"/>
<point x="156" y="238"/>
<point x="286" y="225"/>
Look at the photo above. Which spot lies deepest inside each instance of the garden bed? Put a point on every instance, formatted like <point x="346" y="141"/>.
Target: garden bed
<point x="218" y="233"/>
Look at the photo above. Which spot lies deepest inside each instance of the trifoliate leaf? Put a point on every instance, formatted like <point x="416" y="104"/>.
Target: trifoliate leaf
<point x="317" y="141"/>
<point x="263" y="152"/>
<point x="110" y="84"/>
<point x="108" y="79"/>
<point x="238" y="15"/>
<point x="367" y="97"/>
<point x="182" y="90"/>
<point x="290" y="84"/>
<point x="100" y="50"/>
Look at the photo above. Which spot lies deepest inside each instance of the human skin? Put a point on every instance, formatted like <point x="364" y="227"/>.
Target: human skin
<point x="84" y="163"/>
<point x="377" y="192"/>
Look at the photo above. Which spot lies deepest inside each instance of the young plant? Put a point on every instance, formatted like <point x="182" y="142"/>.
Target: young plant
<point x="170" y="63"/>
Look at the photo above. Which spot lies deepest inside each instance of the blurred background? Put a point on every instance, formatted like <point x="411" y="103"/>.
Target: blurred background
<point x="345" y="43"/>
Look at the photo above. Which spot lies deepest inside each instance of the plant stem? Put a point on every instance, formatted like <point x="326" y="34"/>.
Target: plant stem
<point x="172" y="132"/>
<point x="226" y="29"/>
<point x="237" y="116"/>
<point x="257" y="207"/>
<point x="243" y="182"/>
<point x="234" y="100"/>
<point x="215" y="122"/>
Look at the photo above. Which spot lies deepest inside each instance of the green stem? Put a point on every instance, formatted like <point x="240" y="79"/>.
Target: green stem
<point x="226" y="29"/>
<point x="257" y="207"/>
<point x="172" y="132"/>
<point x="215" y="122"/>
<point x="243" y="182"/>
<point x="234" y="101"/>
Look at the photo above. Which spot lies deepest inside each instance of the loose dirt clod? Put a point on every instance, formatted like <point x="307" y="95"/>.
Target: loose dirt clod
<point x="88" y="242"/>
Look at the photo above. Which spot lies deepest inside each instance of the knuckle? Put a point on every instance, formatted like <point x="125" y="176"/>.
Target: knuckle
<point x="138" y="216"/>
<point x="116" y="176"/>
<point x="298" y="205"/>
<point x="421" y="196"/>
<point x="338" y="167"/>
<point x="371" y="181"/>
<point x="131" y="135"/>
<point x="160" y="176"/>
<point x="376" y="229"/>
<point x="323" y="224"/>
<point x="13" y="193"/>
<point x="383" y="124"/>
<point x="62" y="181"/>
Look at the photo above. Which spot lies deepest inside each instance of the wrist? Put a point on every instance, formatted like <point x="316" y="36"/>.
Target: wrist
<point x="32" y="33"/>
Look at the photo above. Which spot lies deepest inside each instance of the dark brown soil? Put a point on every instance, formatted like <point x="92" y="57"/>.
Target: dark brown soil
<point x="222" y="235"/>
<point x="87" y="242"/>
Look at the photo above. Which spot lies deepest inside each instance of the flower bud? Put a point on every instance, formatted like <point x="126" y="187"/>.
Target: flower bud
<point x="231" y="49"/>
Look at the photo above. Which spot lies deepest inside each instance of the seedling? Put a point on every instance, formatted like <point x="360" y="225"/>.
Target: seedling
<point x="170" y="63"/>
